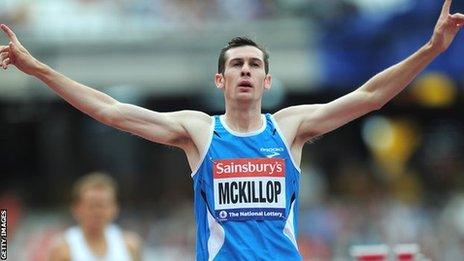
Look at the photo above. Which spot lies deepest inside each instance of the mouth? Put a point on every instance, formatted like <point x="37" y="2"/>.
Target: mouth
<point x="245" y="84"/>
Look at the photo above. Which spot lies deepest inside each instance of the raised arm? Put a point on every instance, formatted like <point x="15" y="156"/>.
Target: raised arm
<point x="166" y="128"/>
<point x="308" y="121"/>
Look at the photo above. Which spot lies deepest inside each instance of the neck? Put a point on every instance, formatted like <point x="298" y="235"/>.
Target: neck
<point x="94" y="235"/>
<point x="96" y="240"/>
<point x="242" y="117"/>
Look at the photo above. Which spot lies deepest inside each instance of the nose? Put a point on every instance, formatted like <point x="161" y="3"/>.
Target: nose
<point x="245" y="70"/>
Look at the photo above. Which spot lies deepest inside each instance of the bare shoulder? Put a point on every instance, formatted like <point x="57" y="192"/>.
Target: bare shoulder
<point x="59" y="250"/>
<point x="295" y="112"/>
<point x="196" y="123"/>
<point x="133" y="240"/>
<point x="133" y="243"/>
<point x="197" y="117"/>
<point x="283" y="114"/>
<point x="291" y="117"/>
<point x="288" y="122"/>
<point x="293" y="120"/>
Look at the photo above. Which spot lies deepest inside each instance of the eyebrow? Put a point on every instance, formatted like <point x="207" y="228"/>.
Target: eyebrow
<point x="241" y="60"/>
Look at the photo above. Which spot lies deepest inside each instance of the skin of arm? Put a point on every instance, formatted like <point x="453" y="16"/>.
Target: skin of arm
<point x="305" y="122"/>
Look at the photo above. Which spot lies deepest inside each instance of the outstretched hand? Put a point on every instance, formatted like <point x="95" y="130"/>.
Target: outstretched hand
<point x="14" y="53"/>
<point x="448" y="25"/>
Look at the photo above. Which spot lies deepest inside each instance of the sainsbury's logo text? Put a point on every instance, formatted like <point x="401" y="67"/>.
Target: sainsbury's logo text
<point x="249" y="167"/>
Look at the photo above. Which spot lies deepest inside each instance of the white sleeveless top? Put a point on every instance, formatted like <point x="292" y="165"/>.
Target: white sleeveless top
<point x="80" y="251"/>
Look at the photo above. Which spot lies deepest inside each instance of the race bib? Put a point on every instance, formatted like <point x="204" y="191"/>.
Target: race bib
<point x="252" y="188"/>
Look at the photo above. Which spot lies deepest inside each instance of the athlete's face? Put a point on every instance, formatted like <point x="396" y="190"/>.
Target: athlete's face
<point x="244" y="76"/>
<point x="95" y="208"/>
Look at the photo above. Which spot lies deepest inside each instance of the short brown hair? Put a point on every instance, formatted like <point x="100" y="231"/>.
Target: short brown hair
<point x="238" y="42"/>
<point x="93" y="180"/>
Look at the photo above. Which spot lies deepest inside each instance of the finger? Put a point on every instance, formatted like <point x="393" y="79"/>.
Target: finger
<point x="458" y="16"/>
<point x="4" y="48"/>
<point x="5" y="63"/>
<point x="3" y="56"/>
<point x="446" y="7"/>
<point x="11" y="35"/>
<point x="13" y="47"/>
<point x="457" y="21"/>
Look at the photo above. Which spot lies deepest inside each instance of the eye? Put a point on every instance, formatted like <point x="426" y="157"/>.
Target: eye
<point x="255" y="64"/>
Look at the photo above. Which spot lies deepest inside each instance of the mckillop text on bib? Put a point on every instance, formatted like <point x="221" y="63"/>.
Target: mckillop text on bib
<point x="249" y="188"/>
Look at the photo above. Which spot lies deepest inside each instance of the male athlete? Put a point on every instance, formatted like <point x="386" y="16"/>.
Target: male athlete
<point x="95" y="238"/>
<point x="245" y="165"/>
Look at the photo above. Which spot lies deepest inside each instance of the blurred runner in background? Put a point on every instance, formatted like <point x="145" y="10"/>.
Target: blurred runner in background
<point x="95" y="237"/>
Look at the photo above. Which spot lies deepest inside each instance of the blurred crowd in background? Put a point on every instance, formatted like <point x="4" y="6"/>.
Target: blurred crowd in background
<point x="394" y="176"/>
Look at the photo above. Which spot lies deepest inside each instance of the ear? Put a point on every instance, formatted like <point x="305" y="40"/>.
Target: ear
<point x="219" y="80"/>
<point x="267" y="82"/>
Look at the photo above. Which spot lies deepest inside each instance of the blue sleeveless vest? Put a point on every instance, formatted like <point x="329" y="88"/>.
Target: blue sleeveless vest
<point x="246" y="195"/>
